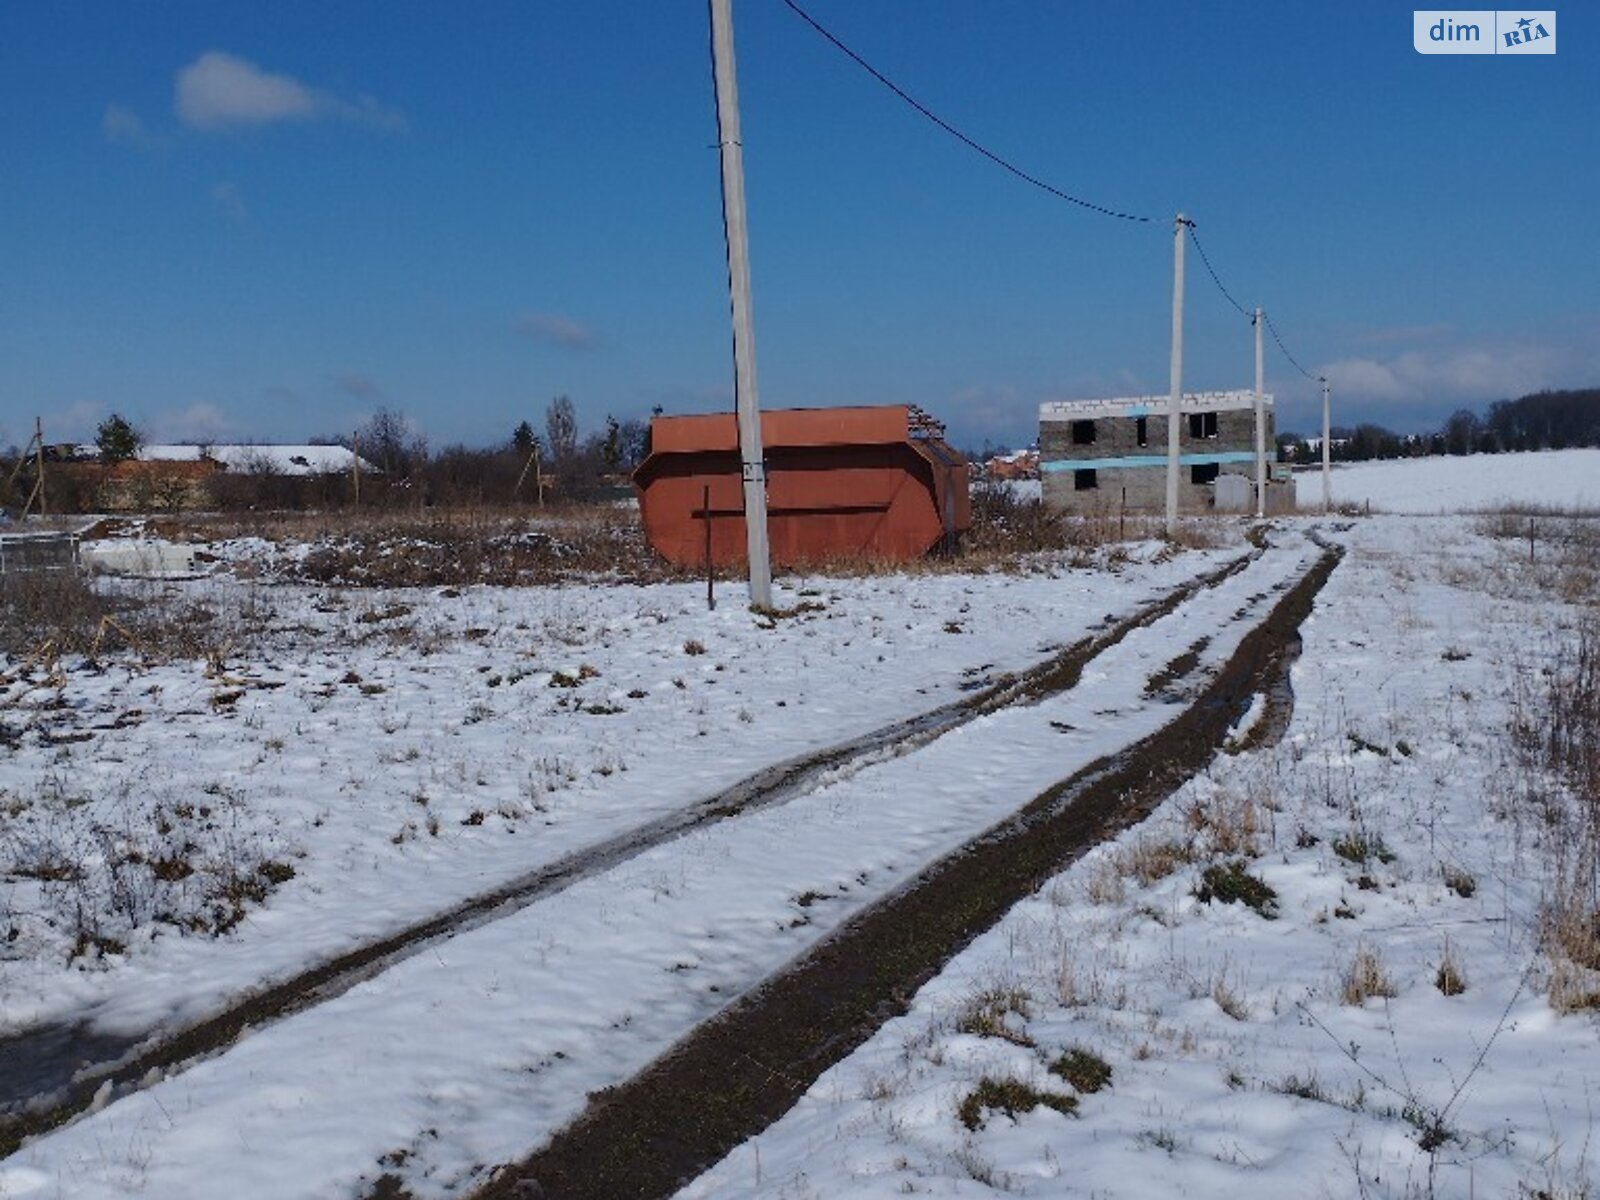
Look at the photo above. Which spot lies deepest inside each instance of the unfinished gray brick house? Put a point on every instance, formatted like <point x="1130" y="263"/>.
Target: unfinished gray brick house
<point x="1102" y="455"/>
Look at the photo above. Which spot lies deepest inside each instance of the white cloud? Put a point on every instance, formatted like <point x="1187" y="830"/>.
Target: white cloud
<point x="122" y="125"/>
<point x="555" y="330"/>
<point x="222" y="91"/>
<point x="1458" y="374"/>
<point x="198" y="422"/>
<point x="230" y="200"/>
<point x="218" y="90"/>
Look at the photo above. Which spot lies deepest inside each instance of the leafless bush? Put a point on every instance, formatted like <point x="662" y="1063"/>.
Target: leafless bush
<point x="1005" y="526"/>
<point x="1556" y="732"/>
<point x="1559" y="549"/>
<point x="458" y="547"/>
<point x="1572" y="719"/>
<point x="45" y="615"/>
<point x="58" y="610"/>
<point x="94" y="874"/>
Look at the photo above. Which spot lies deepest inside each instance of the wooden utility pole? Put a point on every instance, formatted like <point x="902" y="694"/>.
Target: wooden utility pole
<point x="1261" y="424"/>
<point x="38" y="450"/>
<point x="533" y="464"/>
<point x="355" y="464"/>
<point x="1180" y="227"/>
<point x="751" y="455"/>
<point x="22" y="461"/>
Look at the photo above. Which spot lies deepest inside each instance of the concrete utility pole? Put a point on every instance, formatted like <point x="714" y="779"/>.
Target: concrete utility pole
<point x="1327" y="454"/>
<point x="751" y="457"/>
<point x="1261" y="426"/>
<point x="1175" y="404"/>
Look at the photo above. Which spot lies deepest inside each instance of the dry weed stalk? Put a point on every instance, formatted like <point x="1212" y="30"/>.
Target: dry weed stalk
<point x="1365" y="978"/>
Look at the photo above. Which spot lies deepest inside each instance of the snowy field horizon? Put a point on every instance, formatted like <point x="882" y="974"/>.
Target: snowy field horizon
<point x="1567" y="479"/>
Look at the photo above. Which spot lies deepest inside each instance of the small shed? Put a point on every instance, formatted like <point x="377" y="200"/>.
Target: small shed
<point x="876" y="482"/>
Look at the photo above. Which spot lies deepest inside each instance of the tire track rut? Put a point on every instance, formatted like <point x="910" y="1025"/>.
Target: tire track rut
<point x="737" y="1073"/>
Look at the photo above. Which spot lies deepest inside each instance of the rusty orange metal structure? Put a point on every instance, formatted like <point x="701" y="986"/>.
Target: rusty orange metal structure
<point x="877" y="482"/>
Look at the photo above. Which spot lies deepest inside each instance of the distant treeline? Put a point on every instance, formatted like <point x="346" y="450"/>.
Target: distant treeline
<point x="556" y="464"/>
<point x="1541" y="421"/>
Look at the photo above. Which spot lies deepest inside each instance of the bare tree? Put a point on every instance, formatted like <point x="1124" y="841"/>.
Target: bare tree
<point x="389" y="441"/>
<point x="1462" y="432"/>
<point x="561" y="431"/>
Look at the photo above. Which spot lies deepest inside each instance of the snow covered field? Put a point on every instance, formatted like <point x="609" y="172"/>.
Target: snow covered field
<point x="346" y="763"/>
<point x="1558" y="478"/>
<point x="401" y="750"/>
<point x="1321" y="1052"/>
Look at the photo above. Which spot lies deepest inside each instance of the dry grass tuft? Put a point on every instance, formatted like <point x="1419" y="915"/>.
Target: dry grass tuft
<point x="1224" y="995"/>
<point x="1572" y="939"/>
<point x="1229" y="824"/>
<point x="1085" y="1070"/>
<point x="1451" y="977"/>
<point x="989" y="1013"/>
<point x="1012" y="1097"/>
<point x="1232" y="883"/>
<point x="1077" y="987"/>
<point x="1105" y="883"/>
<point x="1149" y="860"/>
<point x="1365" y="978"/>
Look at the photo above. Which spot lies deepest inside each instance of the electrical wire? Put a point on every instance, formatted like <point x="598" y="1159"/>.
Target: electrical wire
<point x="1273" y="329"/>
<point x="971" y="143"/>
<point x="1211" y="271"/>
<point x="1243" y="312"/>
<point x="1034" y="180"/>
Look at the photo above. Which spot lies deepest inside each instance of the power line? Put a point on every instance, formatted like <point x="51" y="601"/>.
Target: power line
<point x="1273" y="329"/>
<point x="952" y="130"/>
<point x="1211" y="271"/>
<point x="1243" y="312"/>
<point x="1034" y="180"/>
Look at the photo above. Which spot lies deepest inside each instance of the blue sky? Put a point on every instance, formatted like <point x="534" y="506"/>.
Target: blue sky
<point x="260" y="222"/>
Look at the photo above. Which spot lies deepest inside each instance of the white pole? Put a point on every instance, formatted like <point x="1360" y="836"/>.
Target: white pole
<point x="1175" y="401"/>
<point x="1261" y="427"/>
<point x="751" y="457"/>
<point x="1327" y="454"/>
